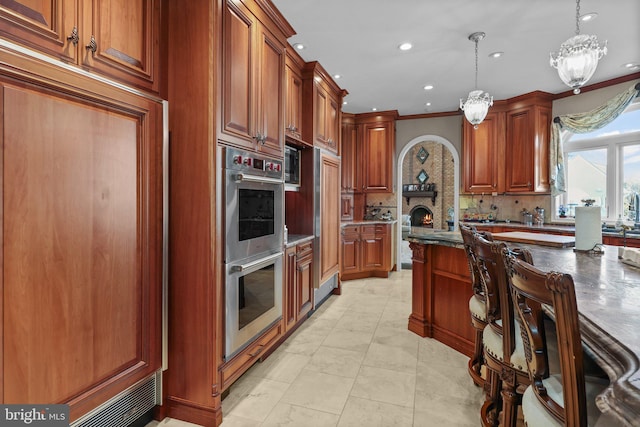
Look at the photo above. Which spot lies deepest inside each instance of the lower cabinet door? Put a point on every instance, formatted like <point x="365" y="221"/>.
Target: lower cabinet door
<point x="81" y="245"/>
<point x="305" y="286"/>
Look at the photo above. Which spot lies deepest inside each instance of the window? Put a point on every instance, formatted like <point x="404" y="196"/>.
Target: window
<point x="604" y="166"/>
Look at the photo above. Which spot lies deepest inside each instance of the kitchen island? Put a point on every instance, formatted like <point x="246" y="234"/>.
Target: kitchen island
<point x="607" y="294"/>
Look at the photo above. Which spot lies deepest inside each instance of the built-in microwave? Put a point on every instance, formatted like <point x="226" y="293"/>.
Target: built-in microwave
<point x="292" y="165"/>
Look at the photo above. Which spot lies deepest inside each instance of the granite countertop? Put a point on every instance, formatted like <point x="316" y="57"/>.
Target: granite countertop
<point x="562" y="228"/>
<point x="608" y="298"/>
<point x="368" y="221"/>
<point x="296" y="239"/>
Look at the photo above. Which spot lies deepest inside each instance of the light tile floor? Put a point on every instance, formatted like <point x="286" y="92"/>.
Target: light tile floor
<point x="354" y="363"/>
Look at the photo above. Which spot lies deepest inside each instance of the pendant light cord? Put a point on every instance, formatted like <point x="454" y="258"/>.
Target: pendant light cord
<point x="577" y="17"/>
<point x="476" y="63"/>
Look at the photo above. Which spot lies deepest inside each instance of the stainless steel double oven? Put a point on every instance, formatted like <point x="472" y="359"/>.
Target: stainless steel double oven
<point x="254" y="216"/>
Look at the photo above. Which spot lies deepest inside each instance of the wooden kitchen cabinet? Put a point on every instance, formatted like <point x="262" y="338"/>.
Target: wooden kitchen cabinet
<point x="293" y="107"/>
<point x="368" y="152"/>
<point x="528" y="124"/>
<point x="321" y="120"/>
<point x="329" y="261"/>
<point x="484" y="154"/>
<point x="298" y="295"/>
<point x="82" y="237"/>
<point x="366" y="250"/>
<point x="346" y="206"/>
<point x="509" y="152"/>
<point x="253" y="81"/>
<point x="350" y="181"/>
<point x="117" y="38"/>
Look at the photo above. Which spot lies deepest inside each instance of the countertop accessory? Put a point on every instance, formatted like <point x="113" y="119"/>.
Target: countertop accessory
<point x="588" y="229"/>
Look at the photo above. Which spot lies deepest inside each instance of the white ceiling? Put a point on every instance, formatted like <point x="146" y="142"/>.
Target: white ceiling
<point x="359" y="39"/>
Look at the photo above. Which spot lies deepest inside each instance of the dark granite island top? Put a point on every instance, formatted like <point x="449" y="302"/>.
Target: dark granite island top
<point x="608" y="297"/>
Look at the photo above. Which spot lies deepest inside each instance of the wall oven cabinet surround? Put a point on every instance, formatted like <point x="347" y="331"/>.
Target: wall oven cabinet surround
<point x="322" y="108"/>
<point x="509" y="152"/>
<point x="252" y="79"/>
<point x="91" y="34"/>
<point x="81" y="255"/>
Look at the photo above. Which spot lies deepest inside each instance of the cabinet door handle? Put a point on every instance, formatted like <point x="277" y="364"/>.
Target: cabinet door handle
<point x="73" y="37"/>
<point x="92" y="46"/>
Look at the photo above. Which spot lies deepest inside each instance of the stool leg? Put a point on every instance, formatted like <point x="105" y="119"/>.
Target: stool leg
<point x="477" y="360"/>
<point x="492" y="406"/>
<point x="510" y="403"/>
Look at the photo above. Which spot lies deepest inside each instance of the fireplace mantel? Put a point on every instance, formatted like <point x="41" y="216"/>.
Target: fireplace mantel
<point x="429" y="194"/>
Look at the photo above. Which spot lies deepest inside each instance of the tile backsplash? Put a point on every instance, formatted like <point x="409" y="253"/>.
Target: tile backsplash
<point x="505" y="207"/>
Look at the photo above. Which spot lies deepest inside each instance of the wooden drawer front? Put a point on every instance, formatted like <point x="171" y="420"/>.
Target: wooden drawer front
<point x="304" y="250"/>
<point x="231" y="371"/>
<point x="368" y="229"/>
<point x="350" y="229"/>
<point x="381" y="229"/>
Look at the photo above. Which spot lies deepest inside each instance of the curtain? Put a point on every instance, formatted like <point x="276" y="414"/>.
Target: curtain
<point x="583" y="123"/>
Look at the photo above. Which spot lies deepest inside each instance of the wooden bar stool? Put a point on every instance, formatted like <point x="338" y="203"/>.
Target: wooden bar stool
<point x="477" y="307"/>
<point x="503" y="349"/>
<point x="552" y="400"/>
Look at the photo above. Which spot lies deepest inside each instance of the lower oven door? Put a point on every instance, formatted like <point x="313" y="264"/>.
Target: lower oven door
<point x="253" y="299"/>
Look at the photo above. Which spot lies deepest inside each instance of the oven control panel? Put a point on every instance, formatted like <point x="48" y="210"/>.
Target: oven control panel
<point x="253" y="164"/>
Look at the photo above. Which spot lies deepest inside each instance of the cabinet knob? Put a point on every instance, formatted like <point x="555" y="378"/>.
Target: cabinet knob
<point x="73" y="37"/>
<point x="92" y="46"/>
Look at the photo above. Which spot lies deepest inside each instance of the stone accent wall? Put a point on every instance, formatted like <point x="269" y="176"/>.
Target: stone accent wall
<point x="440" y="168"/>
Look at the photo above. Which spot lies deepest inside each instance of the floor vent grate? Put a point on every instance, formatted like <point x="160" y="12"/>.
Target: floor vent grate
<point x="124" y="408"/>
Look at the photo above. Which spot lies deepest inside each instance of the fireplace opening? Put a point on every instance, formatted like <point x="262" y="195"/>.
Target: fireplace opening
<point x="421" y="216"/>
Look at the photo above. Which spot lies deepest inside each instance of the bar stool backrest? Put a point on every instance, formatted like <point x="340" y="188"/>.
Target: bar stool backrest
<point x="532" y="290"/>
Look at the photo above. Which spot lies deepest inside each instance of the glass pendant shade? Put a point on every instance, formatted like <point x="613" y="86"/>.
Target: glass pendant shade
<point x="478" y="102"/>
<point x="577" y="60"/>
<point x="476" y="106"/>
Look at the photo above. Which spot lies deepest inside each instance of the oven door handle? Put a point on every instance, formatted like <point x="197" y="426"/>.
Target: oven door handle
<point x="252" y="178"/>
<point x="242" y="267"/>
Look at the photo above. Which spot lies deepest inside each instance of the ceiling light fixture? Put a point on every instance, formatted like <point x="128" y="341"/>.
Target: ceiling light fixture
<point x="299" y="46"/>
<point x="428" y="87"/>
<point x="478" y="102"/>
<point x="405" y="46"/>
<point x="336" y="76"/>
<point x="496" y="54"/>
<point x="578" y="57"/>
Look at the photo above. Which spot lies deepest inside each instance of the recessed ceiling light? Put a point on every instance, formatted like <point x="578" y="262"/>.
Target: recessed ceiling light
<point x="428" y="87"/>
<point x="428" y="104"/>
<point x="374" y="109"/>
<point x="344" y="102"/>
<point x="588" y="17"/>
<point x="496" y="54"/>
<point x="299" y="46"/>
<point x="405" y="46"/>
<point x="336" y="76"/>
<point x="632" y="65"/>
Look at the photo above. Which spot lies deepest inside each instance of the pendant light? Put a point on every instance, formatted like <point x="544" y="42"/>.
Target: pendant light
<point x="478" y="102"/>
<point x="578" y="57"/>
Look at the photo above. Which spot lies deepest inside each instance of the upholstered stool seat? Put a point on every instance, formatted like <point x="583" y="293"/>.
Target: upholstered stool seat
<point x="493" y="344"/>
<point x="477" y="308"/>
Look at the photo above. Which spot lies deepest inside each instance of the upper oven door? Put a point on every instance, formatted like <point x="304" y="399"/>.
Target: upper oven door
<point x="254" y="215"/>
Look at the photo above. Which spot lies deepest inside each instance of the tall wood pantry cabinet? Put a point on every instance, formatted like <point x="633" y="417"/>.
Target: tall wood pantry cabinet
<point x="82" y="204"/>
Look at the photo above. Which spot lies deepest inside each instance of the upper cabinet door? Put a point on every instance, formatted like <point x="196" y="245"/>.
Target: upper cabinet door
<point x="483" y="148"/>
<point x="237" y="75"/>
<point x="270" y="108"/>
<point x="378" y="142"/>
<point x="120" y="38"/>
<point x="293" y="116"/>
<point x="51" y="27"/>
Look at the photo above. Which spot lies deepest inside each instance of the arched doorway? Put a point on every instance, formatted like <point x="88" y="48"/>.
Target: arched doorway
<point x="399" y="176"/>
